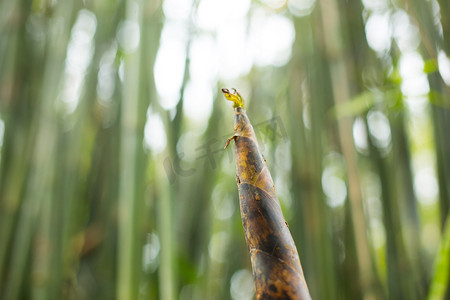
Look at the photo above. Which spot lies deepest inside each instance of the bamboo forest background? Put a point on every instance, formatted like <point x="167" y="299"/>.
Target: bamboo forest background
<point x="113" y="179"/>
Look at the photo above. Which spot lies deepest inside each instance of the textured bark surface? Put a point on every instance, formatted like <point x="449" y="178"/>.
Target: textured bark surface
<point x="276" y="266"/>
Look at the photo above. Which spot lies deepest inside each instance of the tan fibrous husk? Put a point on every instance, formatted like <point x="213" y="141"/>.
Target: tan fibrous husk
<point x="276" y="265"/>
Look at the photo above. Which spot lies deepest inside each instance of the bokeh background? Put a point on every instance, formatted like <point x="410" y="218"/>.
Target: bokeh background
<point x="113" y="179"/>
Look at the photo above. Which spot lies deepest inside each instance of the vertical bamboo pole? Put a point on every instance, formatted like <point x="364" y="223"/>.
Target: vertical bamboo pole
<point x="400" y="279"/>
<point x="128" y="250"/>
<point x="341" y="69"/>
<point x="432" y="41"/>
<point x="317" y="252"/>
<point x="165" y="228"/>
<point x="38" y="191"/>
<point x="17" y="137"/>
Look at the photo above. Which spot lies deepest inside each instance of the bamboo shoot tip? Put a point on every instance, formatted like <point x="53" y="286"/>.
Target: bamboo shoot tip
<point x="233" y="96"/>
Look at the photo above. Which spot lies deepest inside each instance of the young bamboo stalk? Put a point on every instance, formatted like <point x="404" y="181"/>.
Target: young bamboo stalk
<point x="277" y="271"/>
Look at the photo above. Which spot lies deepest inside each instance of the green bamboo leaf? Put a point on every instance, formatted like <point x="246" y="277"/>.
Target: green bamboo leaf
<point x="430" y="66"/>
<point x="355" y="106"/>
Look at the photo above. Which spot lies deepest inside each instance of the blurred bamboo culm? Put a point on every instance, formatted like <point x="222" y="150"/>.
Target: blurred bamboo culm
<point x="113" y="183"/>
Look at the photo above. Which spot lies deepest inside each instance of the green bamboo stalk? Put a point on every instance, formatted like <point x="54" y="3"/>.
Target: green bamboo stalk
<point x="441" y="279"/>
<point x="341" y="76"/>
<point x="73" y="202"/>
<point x="93" y="157"/>
<point x="171" y="215"/>
<point x="317" y="252"/>
<point x="445" y="22"/>
<point x="17" y="138"/>
<point x="441" y="124"/>
<point x="432" y="42"/>
<point x="101" y="193"/>
<point x="300" y="172"/>
<point x="408" y="203"/>
<point x="128" y="249"/>
<point x="165" y="228"/>
<point x="41" y="173"/>
<point x="401" y="281"/>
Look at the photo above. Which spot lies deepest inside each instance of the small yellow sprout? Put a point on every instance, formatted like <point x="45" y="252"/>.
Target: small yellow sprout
<point x="237" y="99"/>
